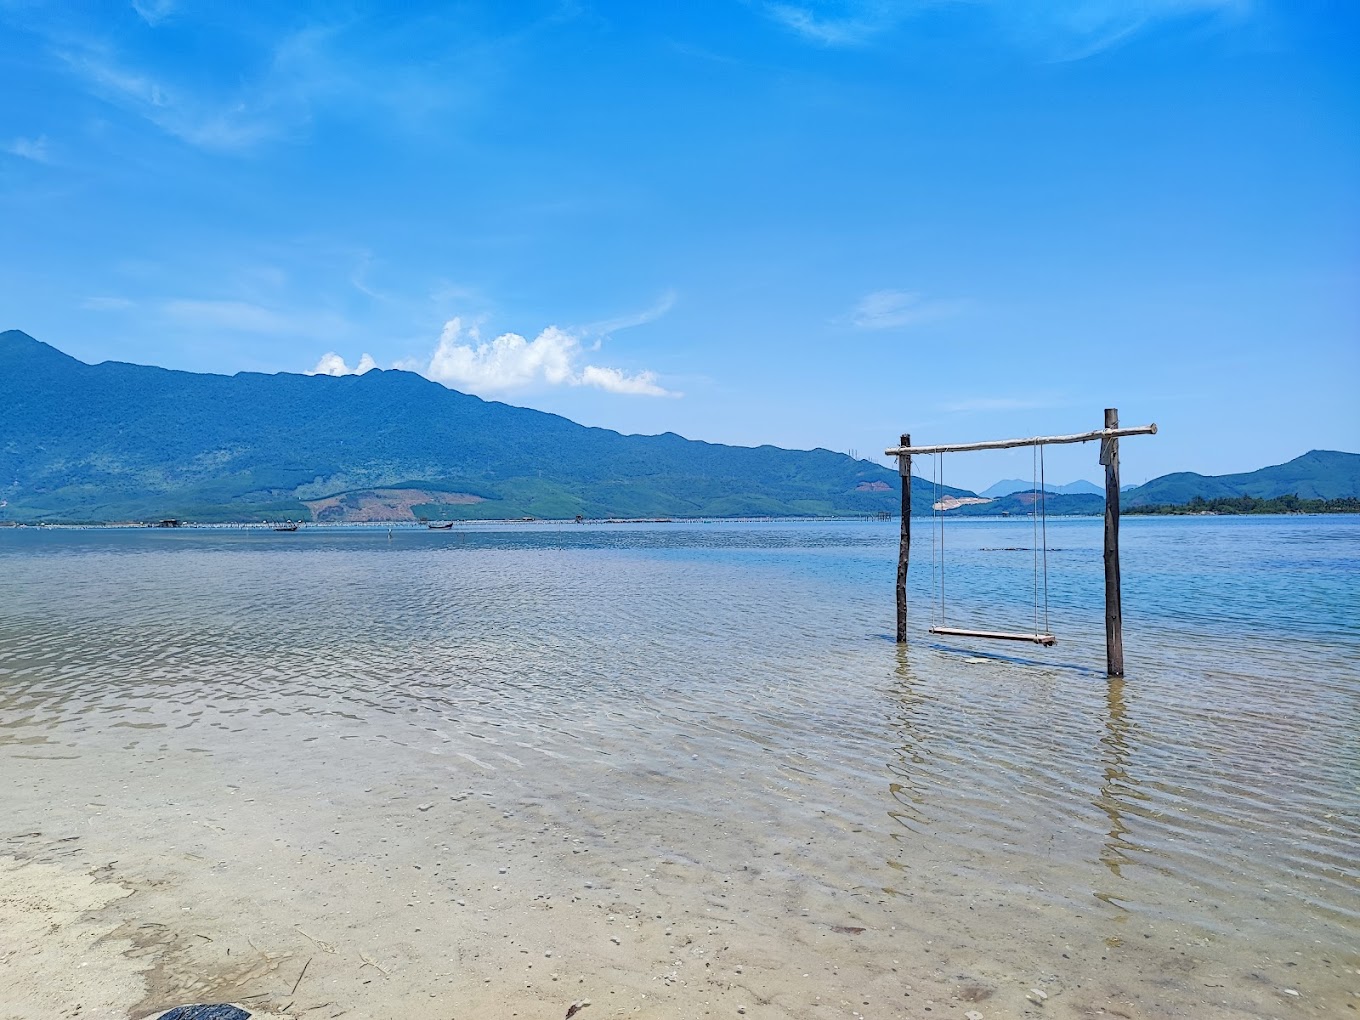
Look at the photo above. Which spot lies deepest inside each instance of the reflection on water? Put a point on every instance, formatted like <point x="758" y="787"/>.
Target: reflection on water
<point x="677" y="674"/>
<point x="1118" y="785"/>
<point x="910" y="757"/>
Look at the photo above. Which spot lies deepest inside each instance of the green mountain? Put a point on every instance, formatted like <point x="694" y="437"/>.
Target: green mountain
<point x="115" y="441"/>
<point x="1318" y="474"/>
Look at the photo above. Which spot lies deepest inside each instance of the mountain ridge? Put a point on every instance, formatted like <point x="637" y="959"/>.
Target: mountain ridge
<point x="1317" y="474"/>
<point x="119" y="441"/>
<point x="116" y="441"/>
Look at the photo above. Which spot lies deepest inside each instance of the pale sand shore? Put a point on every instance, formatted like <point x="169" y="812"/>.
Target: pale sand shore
<point x="177" y="875"/>
<point x="304" y="885"/>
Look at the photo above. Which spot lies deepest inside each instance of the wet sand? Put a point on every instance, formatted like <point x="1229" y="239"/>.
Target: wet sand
<point x="208" y="868"/>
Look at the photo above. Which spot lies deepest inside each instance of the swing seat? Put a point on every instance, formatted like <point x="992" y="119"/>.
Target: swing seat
<point x="997" y="635"/>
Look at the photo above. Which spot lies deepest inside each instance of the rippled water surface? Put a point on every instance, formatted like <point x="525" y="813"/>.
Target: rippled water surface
<point x="726" y="692"/>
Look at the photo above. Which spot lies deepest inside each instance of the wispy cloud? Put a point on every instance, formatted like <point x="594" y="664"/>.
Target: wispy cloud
<point x="975" y="405"/>
<point x="245" y="317"/>
<point x="106" y="304"/>
<point x="234" y="124"/>
<point x="34" y="149"/>
<point x="898" y="309"/>
<point x="333" y="364"/>
<point x="359" y="278"/>
<point x="1056" y="29"/>
<point x="846" y="23"/>
<point x="511" y="362"/>
<point x="386" y="72"/>
<point x="606" y="326"/>
<point x="153" y="12"/>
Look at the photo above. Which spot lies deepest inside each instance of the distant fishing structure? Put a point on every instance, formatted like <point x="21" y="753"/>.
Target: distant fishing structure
<point x="1109" y="438"/>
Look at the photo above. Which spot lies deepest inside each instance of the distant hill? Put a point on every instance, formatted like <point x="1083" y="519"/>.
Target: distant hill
<point x="115" y="441"/>
<point x="1318" y="474"/>
<point x="1020" y="504"/>
<point x="1010" y="485"/>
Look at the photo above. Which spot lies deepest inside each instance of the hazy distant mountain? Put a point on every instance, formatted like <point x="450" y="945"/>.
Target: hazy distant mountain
<point x="1081" y="487"/>
<point x="1010" y="485"/>
<point x="126" y="442"/>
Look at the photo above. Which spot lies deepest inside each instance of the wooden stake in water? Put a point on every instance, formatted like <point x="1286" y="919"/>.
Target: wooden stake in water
<point x="904" y="546"/>
<point x="1114" y="611"/>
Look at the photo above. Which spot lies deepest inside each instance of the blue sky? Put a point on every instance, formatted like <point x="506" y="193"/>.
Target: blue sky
<point x="809" y="224"/>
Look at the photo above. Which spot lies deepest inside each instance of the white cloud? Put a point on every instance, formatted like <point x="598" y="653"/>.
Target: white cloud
<point x="34" y="149"/>
<point x="612" y="379"/>
<point x="896" y="309"/>
<point x="509" y="362"/>
<point x="332" y="364"/>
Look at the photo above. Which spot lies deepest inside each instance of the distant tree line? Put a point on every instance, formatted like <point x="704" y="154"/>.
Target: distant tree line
<point x="1291" y="504"/>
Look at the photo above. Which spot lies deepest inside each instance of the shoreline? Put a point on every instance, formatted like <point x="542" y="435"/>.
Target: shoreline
<point x="469" y="525"/>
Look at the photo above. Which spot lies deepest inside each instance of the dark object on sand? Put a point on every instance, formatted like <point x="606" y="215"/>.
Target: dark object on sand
<point x="221" y="1011"/>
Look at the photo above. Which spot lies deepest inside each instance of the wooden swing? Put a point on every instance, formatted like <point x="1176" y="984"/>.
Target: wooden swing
<point x="1109" y="457"/>
<point x="1039" y="516"/>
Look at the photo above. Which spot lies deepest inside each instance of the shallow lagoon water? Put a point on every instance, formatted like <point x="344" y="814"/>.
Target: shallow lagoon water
<point x="443" y="755"/>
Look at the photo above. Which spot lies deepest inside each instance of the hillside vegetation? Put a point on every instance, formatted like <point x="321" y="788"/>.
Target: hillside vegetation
<point x="1318" y="474"/>
<point x="129" y="442"/>
<point x="114" y="442"/>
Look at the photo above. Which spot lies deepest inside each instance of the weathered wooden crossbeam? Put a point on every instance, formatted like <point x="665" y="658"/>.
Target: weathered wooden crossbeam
<point x="998" y="635"/>
<point x="1010" y="444"/>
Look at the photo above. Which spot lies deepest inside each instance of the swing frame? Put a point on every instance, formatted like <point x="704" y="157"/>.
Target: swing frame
<point x="1109" y="438"/>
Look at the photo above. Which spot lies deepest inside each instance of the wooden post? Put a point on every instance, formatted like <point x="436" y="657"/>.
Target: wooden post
<point x="1114" y="613"/>
<point x="904" y="546"/>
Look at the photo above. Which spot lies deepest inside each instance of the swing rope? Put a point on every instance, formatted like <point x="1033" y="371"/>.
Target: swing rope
<point x="939" y="523"/>
<point x="1034" y="527"/>
<point x="1043" y="484"/>
<point x="936" y="526"/>
<point x="1039" y="550"/>
<point x="1039" y="522"/>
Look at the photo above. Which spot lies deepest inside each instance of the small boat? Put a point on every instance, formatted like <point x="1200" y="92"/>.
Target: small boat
<point x="440" y="527"/>
<point x="290" y="526"/>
